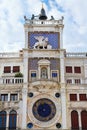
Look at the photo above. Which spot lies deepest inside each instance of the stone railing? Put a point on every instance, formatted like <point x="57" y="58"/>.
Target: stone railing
<point x="79" y="82"/>
<point x="44" y="22"/>
<point x="11" y="80"/>
<point x="11" y="129"/>
<point x="7" y="54"/>
<point x="72" y="55"/>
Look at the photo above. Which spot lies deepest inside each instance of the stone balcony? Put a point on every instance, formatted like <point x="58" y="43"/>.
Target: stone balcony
<point x="11" y="80"/>
<point x="11" y="83"/>
<point x="44" y="22"/>
<point x="4" y="55"/>
<point x="11" y="54"/>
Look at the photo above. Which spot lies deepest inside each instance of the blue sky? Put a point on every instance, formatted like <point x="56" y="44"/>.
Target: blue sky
<point x="12" y="19"/>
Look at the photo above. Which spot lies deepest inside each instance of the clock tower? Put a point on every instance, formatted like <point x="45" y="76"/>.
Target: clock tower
<point x="44" y="93"/>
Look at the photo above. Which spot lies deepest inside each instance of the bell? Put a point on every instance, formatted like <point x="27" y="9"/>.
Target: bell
<point x="43" y="15"/>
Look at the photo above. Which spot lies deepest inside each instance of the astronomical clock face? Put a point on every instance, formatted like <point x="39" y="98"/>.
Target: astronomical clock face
<point x="44" y="112"/>
<point x="44" y="109"/>
<point x="51" y="38"/>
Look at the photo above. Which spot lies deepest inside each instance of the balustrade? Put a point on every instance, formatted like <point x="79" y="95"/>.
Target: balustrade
<point x="75" y="55"/>
<point x="47" y="22"/>
<point x="11" y="80"/>
<point x="7" y="55"/>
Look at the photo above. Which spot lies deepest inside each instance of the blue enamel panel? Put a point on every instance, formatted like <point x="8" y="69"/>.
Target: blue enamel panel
<point x="33" y="64"/>
<point x="54" y="64"/>
<point x="52" y="39"/>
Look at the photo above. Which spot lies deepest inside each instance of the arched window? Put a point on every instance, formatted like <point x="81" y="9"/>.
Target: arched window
<point x="12" y="119"/>
<point x="3" y="115"/>
<point x="84" y="119"/>
<point x="44" y="73"/>
<point x="74" y="120"/>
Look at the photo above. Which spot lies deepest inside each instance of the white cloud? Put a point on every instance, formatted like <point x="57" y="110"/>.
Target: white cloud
<point x="75" y="24"/>
<point x="11" y="28"/>
<point x="11" y="21"/>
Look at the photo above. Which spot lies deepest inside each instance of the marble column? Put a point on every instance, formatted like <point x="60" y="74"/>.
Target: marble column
<point x="79" y="116"/>
<point x="7" y="120"/>
<point x="48" y="72"/>
<point x="8" y="97"/>
<point x="39" y="72"/>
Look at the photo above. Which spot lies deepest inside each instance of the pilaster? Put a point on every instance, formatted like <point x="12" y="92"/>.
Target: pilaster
<point x="24" y="91"/>
<point x="62" y="68"/>
<point x="26" y="37"/>
<point x="24" y="108"/>
<point x="61" y="38"/>
<point x="63" y="101"/>
<point x="25" y="64"/>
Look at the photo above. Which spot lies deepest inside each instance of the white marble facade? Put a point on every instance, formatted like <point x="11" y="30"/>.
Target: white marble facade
<point x="53" y="87"/>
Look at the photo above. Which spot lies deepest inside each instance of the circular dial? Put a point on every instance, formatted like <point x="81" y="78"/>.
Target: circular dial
<point x="44" y="109"/>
